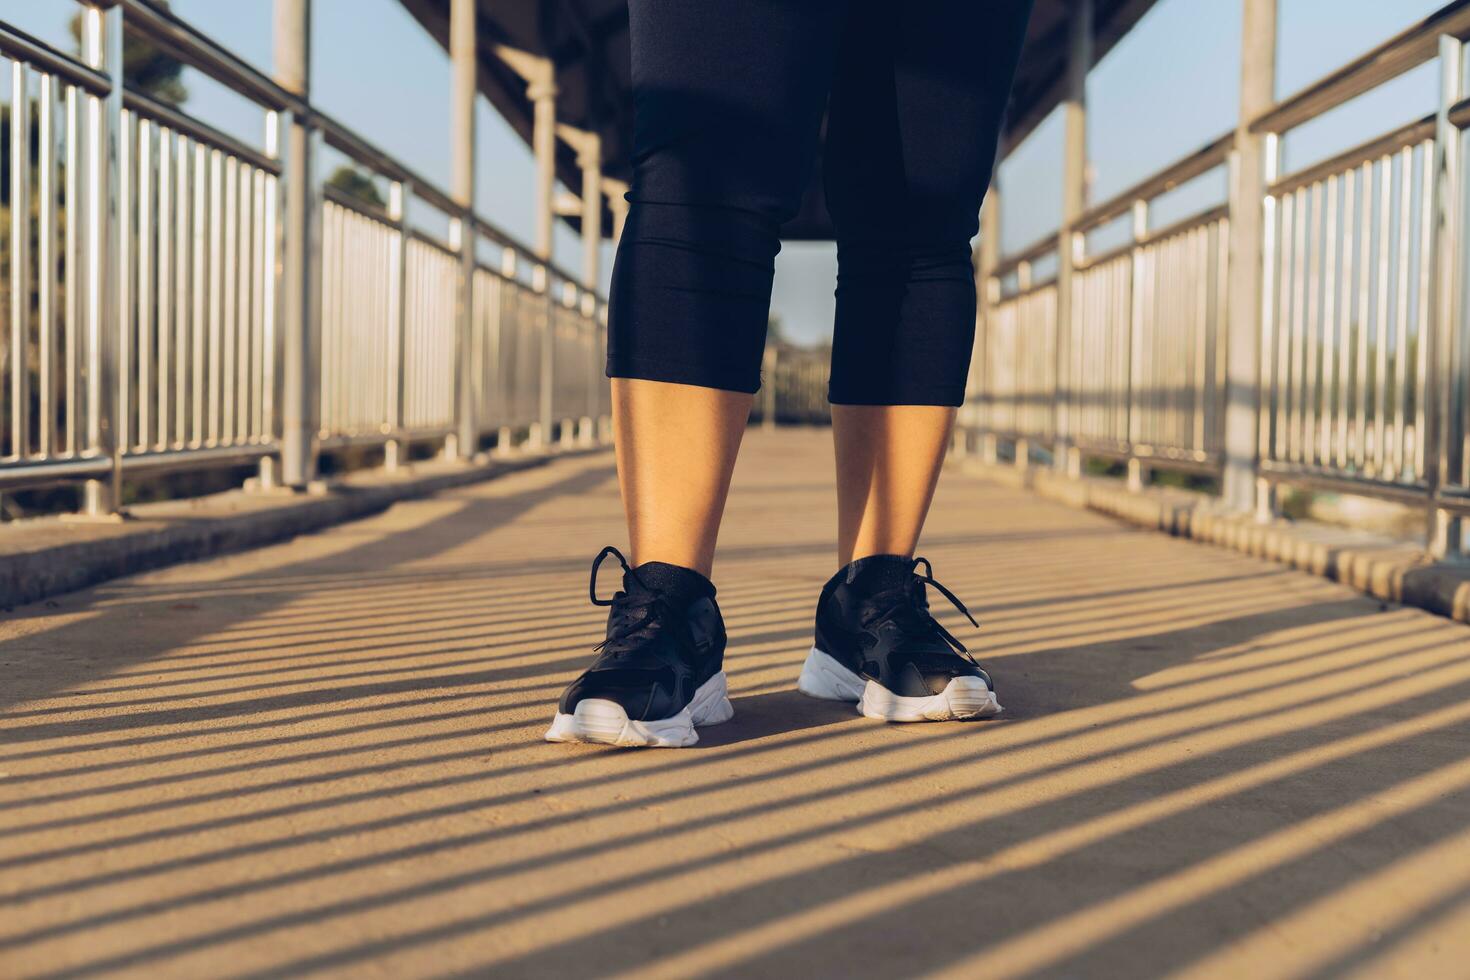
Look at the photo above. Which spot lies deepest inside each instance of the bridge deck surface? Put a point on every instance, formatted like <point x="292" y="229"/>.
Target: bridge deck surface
<point x="325" y="756"/>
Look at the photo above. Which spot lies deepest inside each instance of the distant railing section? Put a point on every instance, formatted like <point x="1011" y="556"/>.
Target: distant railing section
<point x="144" y="286"/>
<point x="52" y="399"/>
<point x="1364" y="343"/>
<point x="793" y="386"/>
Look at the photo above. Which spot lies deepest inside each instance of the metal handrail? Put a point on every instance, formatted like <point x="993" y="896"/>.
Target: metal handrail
<point x="188" y="44"/>
<point x="1414" y="132"/>
<point x="1358" y="388"/>
<point x="23" y="47"/>
<point x="1043" y="246"/>
<point x="1402" y="53"/>
<point x="205" y="133"/>
<point x="1213" y="154"/>
<point x="364" y="152"/>
<point x="163" y="249"/>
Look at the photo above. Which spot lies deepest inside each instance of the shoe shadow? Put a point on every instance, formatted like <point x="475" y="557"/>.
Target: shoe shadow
<point x="774" y="713"/>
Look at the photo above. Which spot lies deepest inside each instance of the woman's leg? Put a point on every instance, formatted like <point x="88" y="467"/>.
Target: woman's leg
<point x="676" y="447"/>
<point x="916" y="110"/>
<point x="728" y="101"/>
<point x="888" y="459"/>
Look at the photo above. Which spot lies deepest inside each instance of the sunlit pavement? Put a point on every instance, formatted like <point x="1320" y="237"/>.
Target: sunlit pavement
<point x="325" y="757"/>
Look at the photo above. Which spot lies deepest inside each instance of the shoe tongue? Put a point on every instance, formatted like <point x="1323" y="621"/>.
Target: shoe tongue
<point x="878" y="573"/>
<point x="681" y="584"/>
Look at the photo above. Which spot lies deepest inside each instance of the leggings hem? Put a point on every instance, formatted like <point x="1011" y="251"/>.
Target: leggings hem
<point x="672" y="372"/>
<point x="944" y="397"/>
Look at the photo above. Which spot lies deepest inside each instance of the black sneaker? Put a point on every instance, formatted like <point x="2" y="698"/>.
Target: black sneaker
<point x="659" y="674"/>
<point x="878" y="645"/>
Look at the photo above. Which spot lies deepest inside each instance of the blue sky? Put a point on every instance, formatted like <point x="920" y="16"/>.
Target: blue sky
<point x="1165" y="90"/>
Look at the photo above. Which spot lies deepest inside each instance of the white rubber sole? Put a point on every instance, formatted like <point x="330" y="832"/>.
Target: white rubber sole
<point x="962" y="699"/>
<point x="599" y="720"/>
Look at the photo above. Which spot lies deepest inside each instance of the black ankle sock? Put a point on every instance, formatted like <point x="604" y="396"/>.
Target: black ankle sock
<point x="684" y="584"/>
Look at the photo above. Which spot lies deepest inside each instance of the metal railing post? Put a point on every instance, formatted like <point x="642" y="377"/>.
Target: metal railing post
<point x="1074" y="202"/>
<point x="465" y="67"/>
<point x="617" y="203"/>
<point x="589" y="158"/>
<point x="1250" y="173"/>
<point x="505" y="436"/>
<point x="587" y="427"/>
<point x="1444" y="418"/>
<point x="768" y="387"/>
<point x="1133" y="423"/>
<point x="540" y="436"/>
<point x="1265" y="498"/>
<point x="301" y="259"/>
<point x="396" y="449"/>
<point x="102" y="37"/>
<point x="986" y="294"/>
<point x="540" y="77"/>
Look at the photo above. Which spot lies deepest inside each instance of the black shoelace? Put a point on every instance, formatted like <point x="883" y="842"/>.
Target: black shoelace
<point x="905" y="606"/>
<point x="636" y="617"/>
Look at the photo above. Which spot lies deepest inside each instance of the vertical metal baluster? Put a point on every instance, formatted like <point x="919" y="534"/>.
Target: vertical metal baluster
<point x="1364" y="319"/>
<point x="72" y="294"/>
<point x="1310" y="326"/>
<point x="214" y="295"/>
<point x="226" y="234"/>
<point x="375" y="407"/>
<point x="1201" y="336"/>
<point x="410" y="339"/>
<point x="1272" y="217"/>
<point x="330" y="259"/>
<point x="186" y="255"/>
<point x="261" y="272"/>
<point x="123" y="263"/>
<point x="1287" y="290"/>
<point x="331" y="276"/>
<point x="145" y="286"/>
<point x="46" y="265"/>
<point x="358" y="333"/>
<point x="348" y="320"/>
<point x="1162" y="323"/>
<point x="360" y="330"/>
<point x="1221" y="334"/>
<point x="1169" y="350"/>
<point x="1381" y="286"/>
<point x="165" y="295"/>
<point x="1166" y="342"/>
<point x="269" y="306"/>
<point x="342" y="320"/>
<point x="1185" y="287"/>
<point x="1323" y="370"/>
<point x="1343" y="371"/>
<point x="1401" y="318"/>
<point x="1424" y="318"/>
<point x="349" y="312"/>
<point x="20" y="260"/>
<point x="369" y="357"/>
<point x="245" y="222"/>
<point x="1114" y="432"/>
<point x="199" y="293"/>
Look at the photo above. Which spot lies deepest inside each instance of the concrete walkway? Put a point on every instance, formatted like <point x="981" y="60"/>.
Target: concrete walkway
<point x="324" y="757"/>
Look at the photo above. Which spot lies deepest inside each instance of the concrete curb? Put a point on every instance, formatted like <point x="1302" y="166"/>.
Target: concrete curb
<point x="49" y="556"/>
<point x="1383" y="567"/>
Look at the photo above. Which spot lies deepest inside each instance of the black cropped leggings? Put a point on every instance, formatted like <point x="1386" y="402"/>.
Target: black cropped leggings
<point x="728" y="103"/>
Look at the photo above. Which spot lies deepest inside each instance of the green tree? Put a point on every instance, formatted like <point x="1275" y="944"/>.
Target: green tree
<point x="350" y="180"/>
<point x="146" y="68"/>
